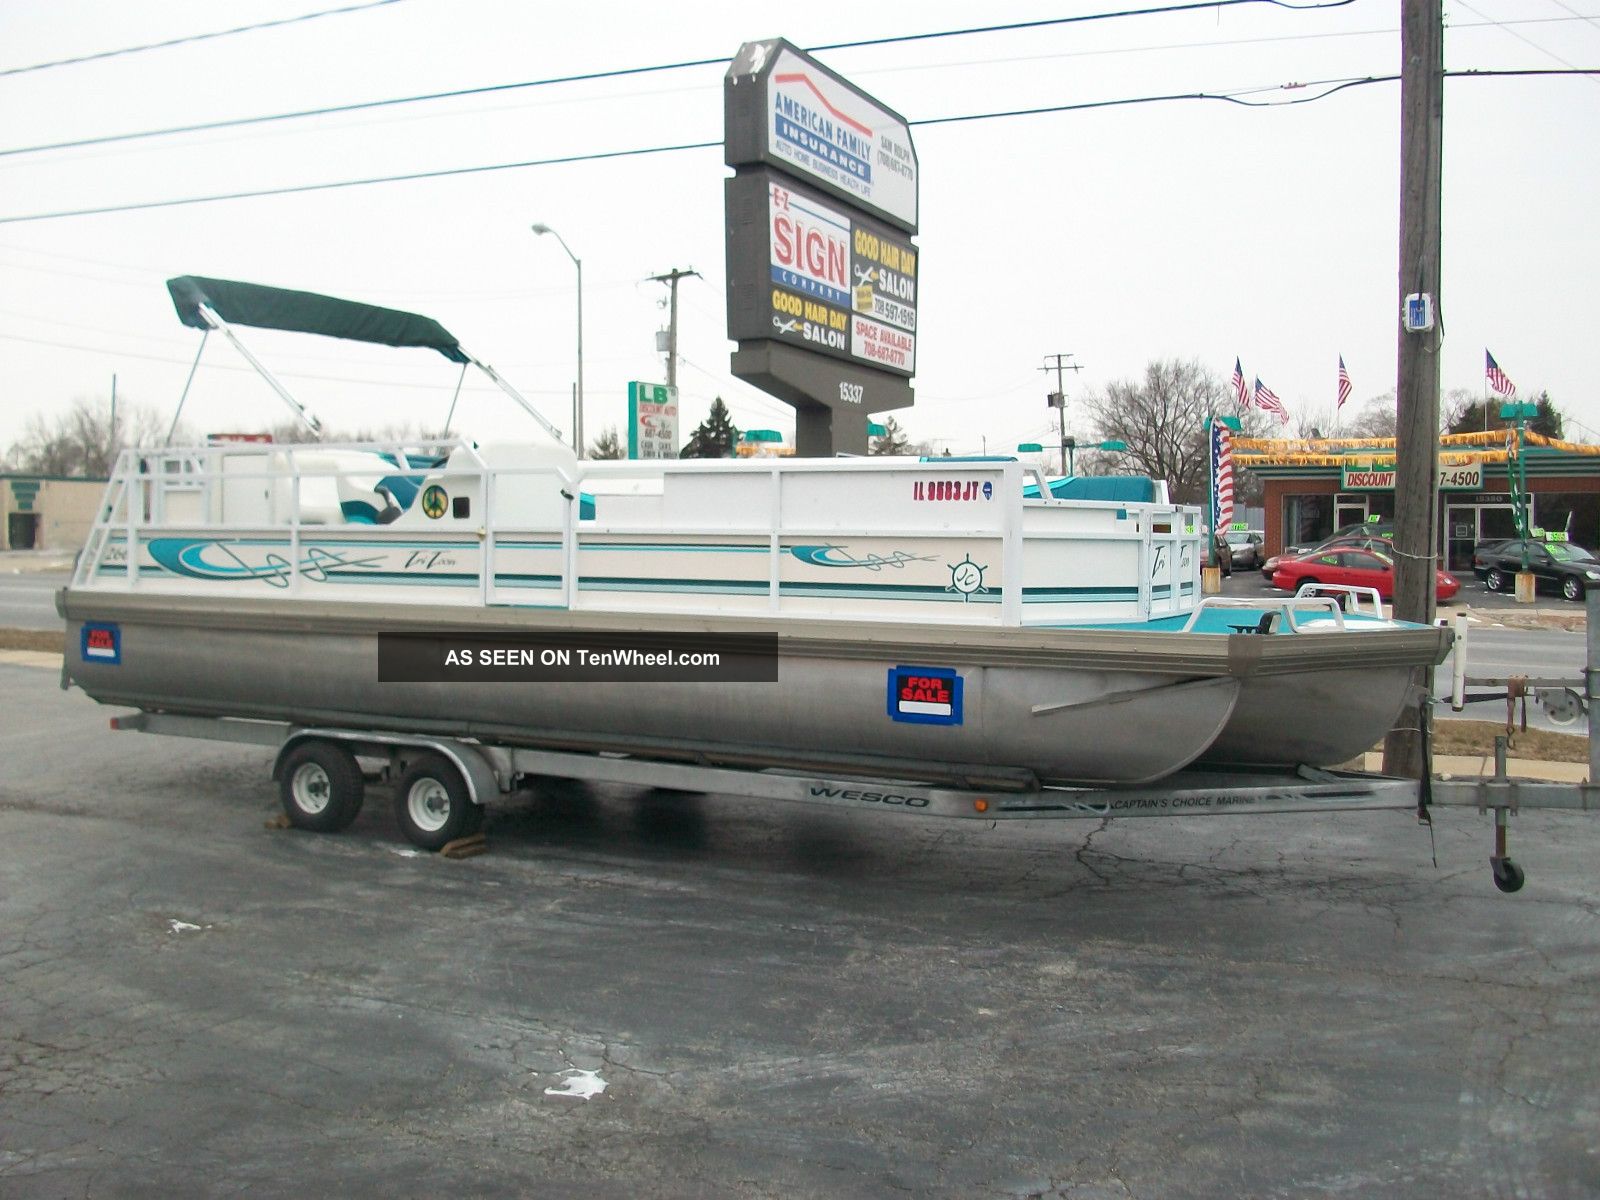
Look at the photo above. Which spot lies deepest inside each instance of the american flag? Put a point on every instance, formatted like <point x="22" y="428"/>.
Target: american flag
<point x="1240" y="388"/>
<point x="1222" y="473"/>
<point x="1267" y="401"/>
<point x="1344" y="384"/>
<point x="1498" y="379"/>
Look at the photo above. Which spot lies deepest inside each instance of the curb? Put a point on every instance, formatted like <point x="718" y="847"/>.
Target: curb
<point x="30" y="658"/>
<point x="1472" y="766"/>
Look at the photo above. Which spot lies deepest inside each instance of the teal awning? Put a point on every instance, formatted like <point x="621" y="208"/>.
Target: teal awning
<point x="264" y="307"/>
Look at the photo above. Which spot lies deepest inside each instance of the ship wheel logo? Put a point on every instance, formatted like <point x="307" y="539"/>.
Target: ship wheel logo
<point x="434" y="501"/>
<point x="966" y="577"/>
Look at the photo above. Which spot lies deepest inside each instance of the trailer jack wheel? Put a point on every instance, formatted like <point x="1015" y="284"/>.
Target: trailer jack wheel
<point x="1508" y="877"/>
<point x="432" y="804"/>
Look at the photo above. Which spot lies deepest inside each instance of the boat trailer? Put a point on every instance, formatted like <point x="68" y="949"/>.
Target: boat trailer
<point x="441" y="785"/>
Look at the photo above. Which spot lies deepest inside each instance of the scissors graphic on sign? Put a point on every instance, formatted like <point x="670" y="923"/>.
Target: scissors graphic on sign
<point x="785" y="326"/>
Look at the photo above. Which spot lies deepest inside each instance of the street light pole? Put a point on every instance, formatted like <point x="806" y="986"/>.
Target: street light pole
<point x="577" y="411"/>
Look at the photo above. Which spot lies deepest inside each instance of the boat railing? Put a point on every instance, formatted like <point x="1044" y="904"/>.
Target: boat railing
<point x="1351" y="598"/>
<point x="546" y="532"/>
<point x="1305" y="611"/>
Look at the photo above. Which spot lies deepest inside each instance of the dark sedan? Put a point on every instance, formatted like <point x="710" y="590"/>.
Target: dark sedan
<point x="1557" y="566"/>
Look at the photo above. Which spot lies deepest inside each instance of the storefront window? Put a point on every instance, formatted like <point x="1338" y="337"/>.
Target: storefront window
<point x="1576" y="514"/>
<point x="1306" y="519"/>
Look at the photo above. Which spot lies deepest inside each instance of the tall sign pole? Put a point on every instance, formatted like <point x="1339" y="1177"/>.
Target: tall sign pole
<point x="1417" y="385"/>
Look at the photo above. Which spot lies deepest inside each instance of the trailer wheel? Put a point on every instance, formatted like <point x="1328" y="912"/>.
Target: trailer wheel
<point x="1508" y="877"/>
<point x="321" y="787"/>
<point x="432" y="804"/>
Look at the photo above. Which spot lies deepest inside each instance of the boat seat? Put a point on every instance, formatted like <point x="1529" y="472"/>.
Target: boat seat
<point x="394" y="495"/>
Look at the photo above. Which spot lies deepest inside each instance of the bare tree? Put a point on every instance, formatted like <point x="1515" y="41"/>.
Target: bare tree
<point x="81" y="441"/>
<point x="1376" y="418"/>
<point x="1161" y="419"/>
<point x="1315" y="423"/>
<point x="295" y="433"/>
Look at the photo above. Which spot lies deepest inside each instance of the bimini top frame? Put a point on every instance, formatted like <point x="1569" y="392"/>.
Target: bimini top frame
<point x="218" y="304"/>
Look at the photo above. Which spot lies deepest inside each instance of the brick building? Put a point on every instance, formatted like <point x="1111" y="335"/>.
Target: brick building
<point x="1312" y="487"/>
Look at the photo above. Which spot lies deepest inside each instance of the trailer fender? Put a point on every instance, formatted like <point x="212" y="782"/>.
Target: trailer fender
<point x="482" y="783"/>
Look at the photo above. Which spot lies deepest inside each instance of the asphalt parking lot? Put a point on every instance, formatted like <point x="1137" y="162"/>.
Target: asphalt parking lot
<point x="778" y="1001"/>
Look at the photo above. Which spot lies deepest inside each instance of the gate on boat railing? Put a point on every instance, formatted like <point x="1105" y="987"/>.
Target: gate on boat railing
<point x="855" y="538"/>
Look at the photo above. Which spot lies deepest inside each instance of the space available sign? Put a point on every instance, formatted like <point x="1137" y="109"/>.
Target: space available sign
<point x="652" y="421"/>
<point x="833" y="280"/>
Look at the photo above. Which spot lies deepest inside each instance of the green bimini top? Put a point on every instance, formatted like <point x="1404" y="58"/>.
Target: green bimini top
<point x="307" y="312"/>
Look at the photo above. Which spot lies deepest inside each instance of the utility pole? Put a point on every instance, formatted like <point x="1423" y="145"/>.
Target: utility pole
<point x="671" y="278"/>
<point x="1058" y="398"/>
<point x="1417" y="384"/>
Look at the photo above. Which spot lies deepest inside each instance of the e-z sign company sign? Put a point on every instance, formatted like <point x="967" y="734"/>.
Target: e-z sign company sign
<point x="818" y="277"/>
<point x="822" y="274"/>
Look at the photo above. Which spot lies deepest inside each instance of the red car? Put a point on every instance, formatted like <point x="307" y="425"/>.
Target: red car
<point x="1359" y="568"/>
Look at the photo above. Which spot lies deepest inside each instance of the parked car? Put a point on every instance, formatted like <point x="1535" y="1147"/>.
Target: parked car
<point x="1557" y="566"/>
<point x="1354" y="566"/>
<point x="1246" y="545"/>
<point x="1220" y="555"/>
<point x="1349" y="541"/>
<point x="1346" y="535"/>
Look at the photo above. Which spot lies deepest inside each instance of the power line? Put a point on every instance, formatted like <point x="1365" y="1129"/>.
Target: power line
<point x="639" y="151"/>
<point x="1521" y="37"/>
<point x="346" y="183"/>
<point x="623" y="72"/>
<point x="194" y="37"/>
<point x="1595" y="21"/>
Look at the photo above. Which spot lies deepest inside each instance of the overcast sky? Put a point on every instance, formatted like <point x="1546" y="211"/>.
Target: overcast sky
<point x="1199" y="229"/>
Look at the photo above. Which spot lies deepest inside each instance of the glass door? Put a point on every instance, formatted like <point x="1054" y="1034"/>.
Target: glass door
<point x="1461" y="534"/>
<point x="1349" y="510"/>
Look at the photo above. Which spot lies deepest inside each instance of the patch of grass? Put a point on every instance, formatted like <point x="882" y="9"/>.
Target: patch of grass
<point x="32" y="639"/>
<point x="1477" y="738"/>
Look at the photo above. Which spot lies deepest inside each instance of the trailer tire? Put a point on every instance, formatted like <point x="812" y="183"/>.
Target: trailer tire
<point x="321" y="787"/>
<point x="432" y="803"/>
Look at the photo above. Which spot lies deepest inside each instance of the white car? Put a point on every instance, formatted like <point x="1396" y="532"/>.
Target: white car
<point x="1246" y="546"/>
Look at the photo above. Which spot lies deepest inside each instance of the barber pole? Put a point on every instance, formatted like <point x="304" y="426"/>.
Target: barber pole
<point x="1221" y="475"/>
